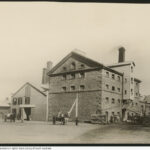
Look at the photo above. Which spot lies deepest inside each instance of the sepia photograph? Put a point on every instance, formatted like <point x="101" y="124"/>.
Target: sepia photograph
<point x="74" y="73"/>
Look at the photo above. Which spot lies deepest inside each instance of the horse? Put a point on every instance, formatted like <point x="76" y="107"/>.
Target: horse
<point x="10" y="116"/>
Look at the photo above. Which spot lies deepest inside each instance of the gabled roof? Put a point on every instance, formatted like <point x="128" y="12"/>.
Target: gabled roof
<point x="79" y="57"/>
<point x="86" y="60"/>
<point x="31" y="86"/>
<point x="121" y="64"/>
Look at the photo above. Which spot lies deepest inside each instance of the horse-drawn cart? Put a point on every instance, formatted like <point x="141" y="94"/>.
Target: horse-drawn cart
<point x="9" y="116"/>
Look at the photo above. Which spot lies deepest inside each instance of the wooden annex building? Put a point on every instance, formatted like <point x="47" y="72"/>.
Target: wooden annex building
<point x="29" y="102"/>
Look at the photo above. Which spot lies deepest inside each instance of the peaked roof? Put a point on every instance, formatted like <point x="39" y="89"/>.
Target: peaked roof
<point x="81" y="58"/>
<point x="31" y="86"/>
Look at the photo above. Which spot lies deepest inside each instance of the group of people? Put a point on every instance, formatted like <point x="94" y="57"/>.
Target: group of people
<point x="114" y="119"/>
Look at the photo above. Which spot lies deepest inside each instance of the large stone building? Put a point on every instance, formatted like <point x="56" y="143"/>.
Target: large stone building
<point x="107" y="90"/>
<point x="29" y="102"/>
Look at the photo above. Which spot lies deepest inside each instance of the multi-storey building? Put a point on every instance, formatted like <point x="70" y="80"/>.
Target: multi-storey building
<point x="107" y="90"/>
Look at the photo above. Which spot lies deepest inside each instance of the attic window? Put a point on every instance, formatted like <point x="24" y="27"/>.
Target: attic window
<point x="82" y="66"/>
<point x="73" y="66"/>
<point x="64" y="68"/>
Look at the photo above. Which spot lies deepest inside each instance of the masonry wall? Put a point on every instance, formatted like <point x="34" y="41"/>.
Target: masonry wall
<point x="111" y="99"/>
<point x="89" y="98"/>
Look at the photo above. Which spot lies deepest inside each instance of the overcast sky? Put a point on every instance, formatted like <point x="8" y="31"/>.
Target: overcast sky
<point x="32" y="33"/>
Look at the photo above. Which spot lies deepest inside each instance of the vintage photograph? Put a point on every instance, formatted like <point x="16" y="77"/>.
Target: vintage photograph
<point x="74" y="73"/>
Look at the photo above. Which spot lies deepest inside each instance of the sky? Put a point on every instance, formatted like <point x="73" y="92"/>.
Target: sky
<point x="32" y="33"/>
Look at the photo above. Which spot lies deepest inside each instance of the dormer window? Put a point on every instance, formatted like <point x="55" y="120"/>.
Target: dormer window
<point x="73" y="66"/>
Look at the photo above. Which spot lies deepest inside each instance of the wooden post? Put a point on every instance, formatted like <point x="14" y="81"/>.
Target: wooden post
<point x="22" y="116"/>
<point x="77" y="109"/>
<point x="47" y="93"/>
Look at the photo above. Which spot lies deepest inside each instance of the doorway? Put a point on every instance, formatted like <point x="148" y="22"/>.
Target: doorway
<point x="28" y="113"/>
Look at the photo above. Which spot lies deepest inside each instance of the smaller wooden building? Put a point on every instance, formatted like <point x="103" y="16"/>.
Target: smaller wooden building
<point x="29" y="103"/>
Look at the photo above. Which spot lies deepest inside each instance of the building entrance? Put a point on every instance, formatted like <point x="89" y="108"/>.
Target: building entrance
<point x="28" y="113"/>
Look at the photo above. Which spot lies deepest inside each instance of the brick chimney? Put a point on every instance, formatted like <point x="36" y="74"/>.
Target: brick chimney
<point x="121" y="57"/>
<point x="45" y="77"/>
<point x="49" y="65"/>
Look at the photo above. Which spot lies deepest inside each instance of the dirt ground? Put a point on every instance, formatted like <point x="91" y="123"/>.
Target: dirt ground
<point x="43" y="132"/>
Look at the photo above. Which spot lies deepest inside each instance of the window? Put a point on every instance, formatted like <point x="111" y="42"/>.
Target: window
<point x="107" y="74"/>
<point x="72" y="88"/>
<point x="64" y="77"/>
<point x="125" y="92"/>
<point x="113" y="88"/>
<point x="131" y="69"/>
<point x="107" y="99"/>
<point x="136" y="94"/>
<point x="131" y="91"/>
<point x="64" y="88"/>
<point x="72" y="76"/>
<point x="14" y="101"/>
<point x="113" y="113"/>
<point x="27" y="100"/>
<point x="113" y="100"/>
<point x="131" y="80"/>
<point x="118" y="78"/>
<point x="107" y="86"/>
<point x="82" y="66"/>
<point x="82" y="87"/>
<point x="119" y="101"/>
<point x="118" y="89"/>
<point x="73" y="66"/>
<point x="81" y="75"/>
<point x="113" y="76"/>
<point x="64" y="68"/>
<point x="136" y="104"/>
<point x="19" y="100"/>
<point x="118" y="113"/>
